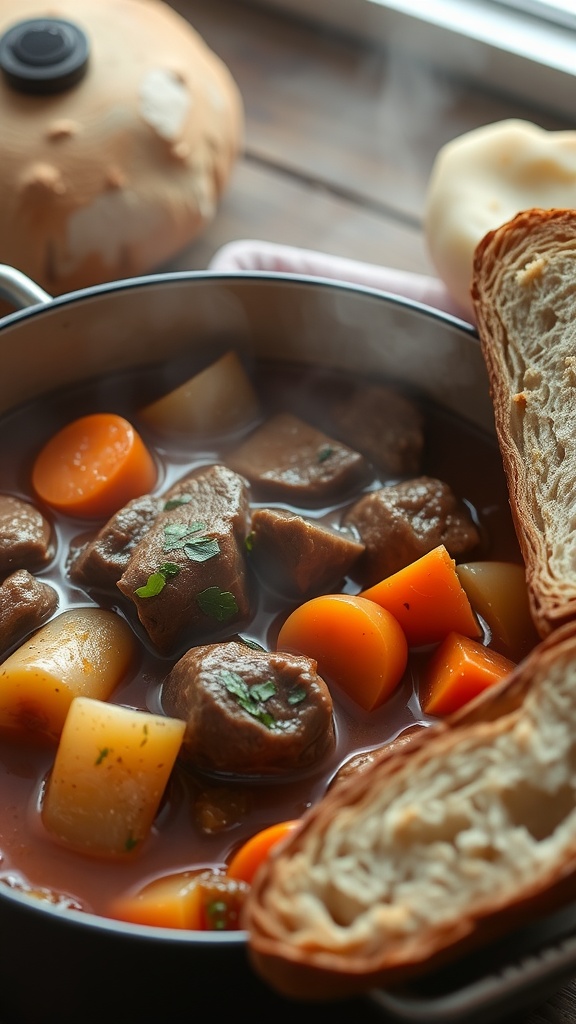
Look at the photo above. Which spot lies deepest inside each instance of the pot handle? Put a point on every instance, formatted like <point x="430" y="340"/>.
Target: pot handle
<point x="20" y="290"/>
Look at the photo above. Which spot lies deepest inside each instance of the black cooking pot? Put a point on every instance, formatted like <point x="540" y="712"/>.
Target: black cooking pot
<point x="69" y="967"/>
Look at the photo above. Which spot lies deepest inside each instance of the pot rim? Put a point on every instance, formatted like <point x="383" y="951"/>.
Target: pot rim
<point x="36" y="303"/>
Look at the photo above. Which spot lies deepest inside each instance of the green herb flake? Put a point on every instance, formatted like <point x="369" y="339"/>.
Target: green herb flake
<point x="325" y="452"/>
<point x="102" y="755"/>
<point x="130" y="843"/>
<point x="183" y="499"/>
<point x="192" y="540"/>
<point x="218" y="604"/>
<point x="249" y="542"/>
<point x="296" y="695"/>
<point x="145" y="736"/>
<point x="263" y="691"/>
<point x="217" y="913"/>
<point x="157" y="580"/>
<point x="251" y="698"/>
<point x="252" y="644"/>
<point x="176" y="535"/>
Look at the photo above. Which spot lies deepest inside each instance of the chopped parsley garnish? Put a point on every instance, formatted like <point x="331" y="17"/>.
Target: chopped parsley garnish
<point x="251" y="698"/>
<point x="252" y="644"/>
<point x="176" y="502"/>
<point x="157" y="580"/>
<point x="325" y="452"/>
<point x="102" y="755"/>
<point x="217" y="912"/>
<point x="249" y="542"/>
<point x="218" y="604"/>
<point x="130" y="843"/>
<point x="192" y="540"/>
<point x="296" y="695"/>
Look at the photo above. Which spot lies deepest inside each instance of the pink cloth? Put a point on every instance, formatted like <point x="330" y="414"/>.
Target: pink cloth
<point x="253" y="255"/>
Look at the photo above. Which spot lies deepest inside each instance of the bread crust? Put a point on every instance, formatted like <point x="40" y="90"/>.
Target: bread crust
<point x="523" y="297"/>
<point x="446" y="844"/>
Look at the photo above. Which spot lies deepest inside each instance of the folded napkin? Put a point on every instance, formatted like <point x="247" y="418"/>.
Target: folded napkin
<point x="253" y="255"/>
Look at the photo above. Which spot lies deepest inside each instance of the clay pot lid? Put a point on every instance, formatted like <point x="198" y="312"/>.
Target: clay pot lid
<point x="120" y="130"/>
<point x="44" y="55"/>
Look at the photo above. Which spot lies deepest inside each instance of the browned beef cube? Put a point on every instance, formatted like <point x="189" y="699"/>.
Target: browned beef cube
<point x="25" y="536"/>
<point x="249" y="712"/>
<point x="298" y="555"/>
<point x="103" y="560"/>
<point x="187" y="576"/>
<point x="286" y="459"/>
<point x="402" y="522"/>
<point x="25" y="603"/>
<point x="385" y="426"/>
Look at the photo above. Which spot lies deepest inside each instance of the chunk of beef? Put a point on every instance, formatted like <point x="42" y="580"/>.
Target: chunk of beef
<point x="403" y="521"/>
<point x="25" y="536"/>
<point x="101" y="562"/>
<point x="360" y="762"/>
<point x="188" y="576"/>
<point x="249" y="712"/>
<point x="298" y="555"/>
<point x="286" y="459"/>
<point x="384" y="425"/>
<point x="25" y="603"/>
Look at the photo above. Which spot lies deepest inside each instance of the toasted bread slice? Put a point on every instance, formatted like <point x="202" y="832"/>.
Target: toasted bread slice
<point x="432" y="851"/>
<point x="524" y="295"/>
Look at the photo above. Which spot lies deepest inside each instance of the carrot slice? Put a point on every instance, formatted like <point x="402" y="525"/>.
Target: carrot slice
<point x="427" y="598"/>
<point x="93" y="466"/>
<point x="458" y="671"/>
<point x="357" y="645"/>
<point x="248" y="857"/>
<point x="196" y="901"/>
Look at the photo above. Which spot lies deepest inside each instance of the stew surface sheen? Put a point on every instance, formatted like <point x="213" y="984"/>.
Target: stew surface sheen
<point x="183" y="838"/>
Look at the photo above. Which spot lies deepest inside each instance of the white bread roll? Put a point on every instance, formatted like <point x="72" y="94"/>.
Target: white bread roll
<point x="524" y="299"/>
<point x="482" y="179"/>
<point x="433" y="850"/>
<point x="114" y="175"/>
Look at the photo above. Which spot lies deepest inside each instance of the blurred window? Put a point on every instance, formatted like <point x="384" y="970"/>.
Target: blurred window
<point x="525" y="48"/>
<point x="561" y="12"/>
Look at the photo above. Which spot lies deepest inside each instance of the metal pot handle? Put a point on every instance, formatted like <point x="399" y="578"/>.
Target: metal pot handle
<point x="20" y="290"/>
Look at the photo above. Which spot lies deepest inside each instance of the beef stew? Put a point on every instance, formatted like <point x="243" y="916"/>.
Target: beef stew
<point x="207" y="812"/>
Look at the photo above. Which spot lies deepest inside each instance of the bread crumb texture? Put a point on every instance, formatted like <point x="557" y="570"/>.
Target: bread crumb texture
<point x="533" y="270"/>
<point x="466" y="827"/>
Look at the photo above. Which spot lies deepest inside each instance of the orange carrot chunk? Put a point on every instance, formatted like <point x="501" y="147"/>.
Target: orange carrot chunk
<point x="248" y="858"/>
<point x="357" y="645"/>
<point x="458" y="671"/>
<point x="201" y="901"/>
<point x="93" y="466"/>
<point x="427" y="598"/>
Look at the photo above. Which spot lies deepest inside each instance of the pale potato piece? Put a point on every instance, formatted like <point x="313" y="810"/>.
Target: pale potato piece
<point x="82" y="652"/>
<point x="110" y="771"/>
<point x="497" y="591"/>
<point x="219" y="399"/>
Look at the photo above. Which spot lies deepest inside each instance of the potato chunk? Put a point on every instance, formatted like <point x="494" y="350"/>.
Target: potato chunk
<point x="82" y="652"/>
<point x="219" y="399"/>
<point x="109" y="775"/>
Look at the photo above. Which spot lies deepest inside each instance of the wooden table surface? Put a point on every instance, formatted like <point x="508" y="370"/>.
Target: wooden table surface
<point x="339" y="144"/>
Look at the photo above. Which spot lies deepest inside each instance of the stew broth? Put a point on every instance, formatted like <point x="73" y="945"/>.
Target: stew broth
<point x="204" y="819"/>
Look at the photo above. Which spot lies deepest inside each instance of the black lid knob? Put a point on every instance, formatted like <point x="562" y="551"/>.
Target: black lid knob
<point x="44" y="55"/>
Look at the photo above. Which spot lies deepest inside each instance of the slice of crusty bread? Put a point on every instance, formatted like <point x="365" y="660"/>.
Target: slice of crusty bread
<point x="524" y="295"/>
<point x="444" y="845"/>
